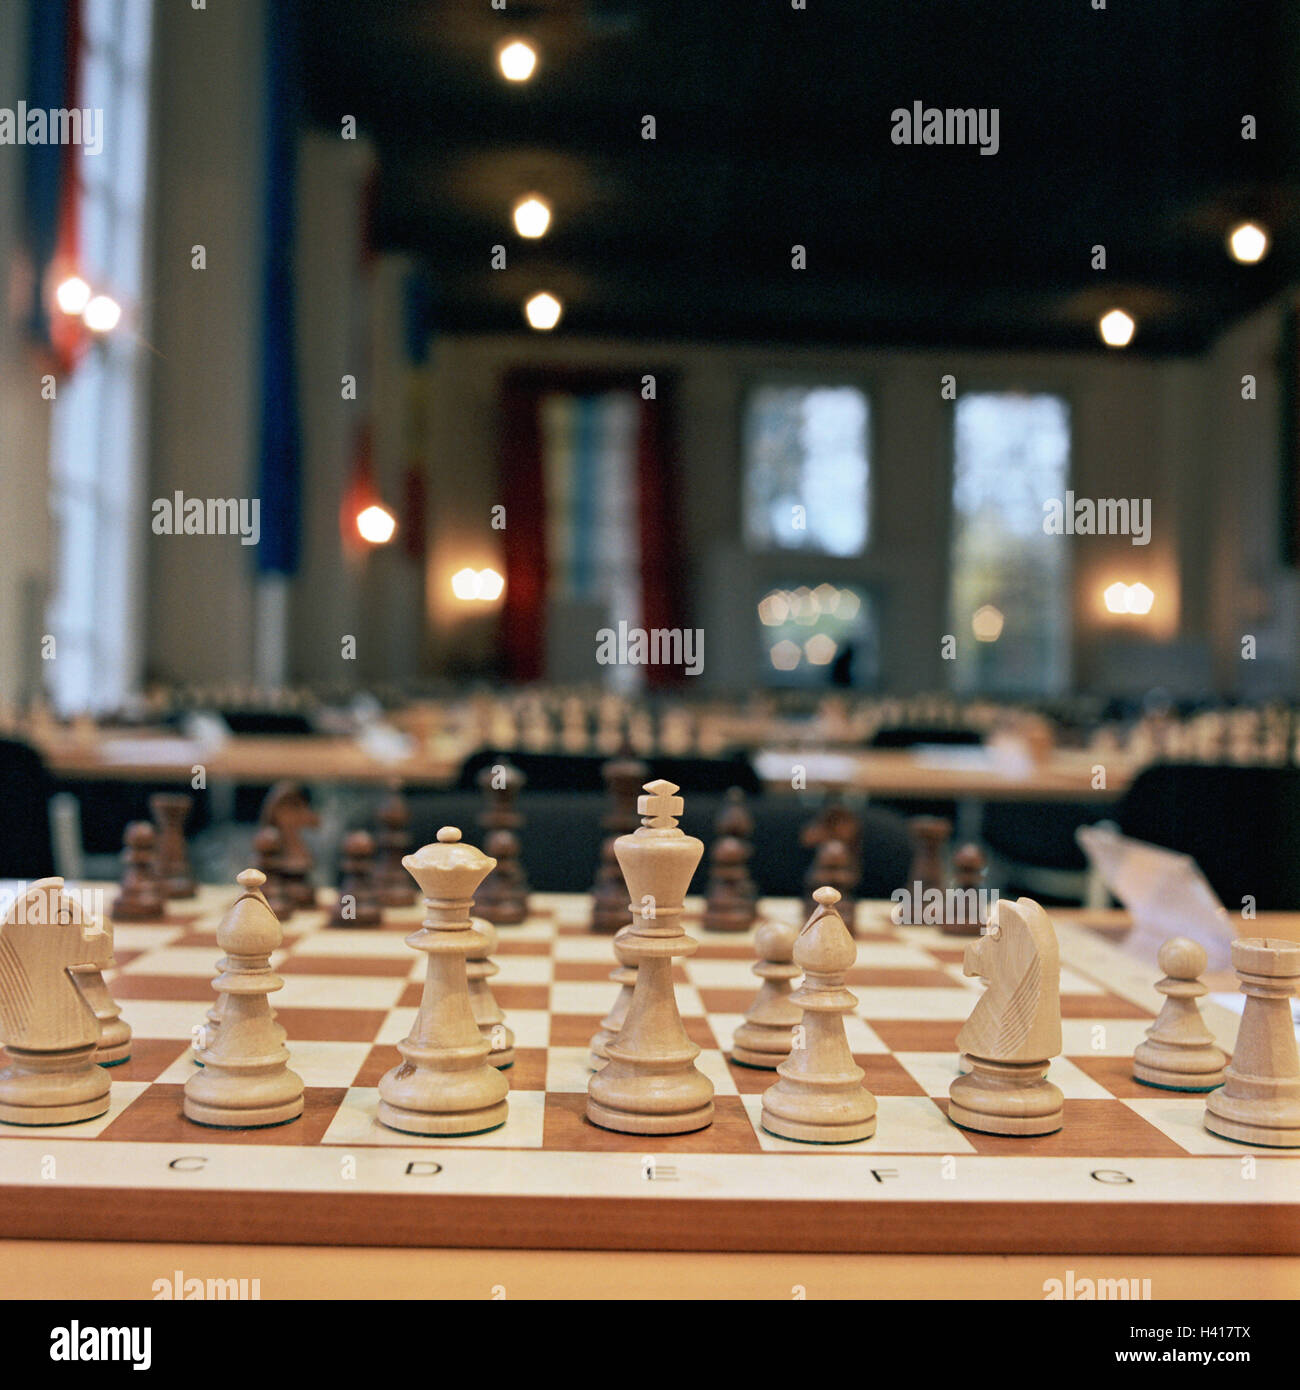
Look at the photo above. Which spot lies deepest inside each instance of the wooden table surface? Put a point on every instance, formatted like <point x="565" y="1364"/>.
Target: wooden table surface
<point x="250" y="758"/>
<point x="959" y="773"/>
<point x="920" y="774"/>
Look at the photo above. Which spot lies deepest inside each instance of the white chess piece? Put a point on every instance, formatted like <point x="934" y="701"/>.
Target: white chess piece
<point x="445" y="1083"/>
<point x="651" y="1085"/>
<point x="1179" y="1053"/>
<point x="245" y="1081"/>
<point x="820" y="1097"/>
<point x="1015" y="1028"/>
<point x="48" y="1026"/>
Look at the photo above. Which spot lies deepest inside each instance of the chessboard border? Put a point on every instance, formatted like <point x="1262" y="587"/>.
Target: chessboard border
<point x="770" y="1225"/>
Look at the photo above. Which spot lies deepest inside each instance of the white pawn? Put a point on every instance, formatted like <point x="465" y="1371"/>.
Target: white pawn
<point x="1179" y="1053"/>
<point x="611" y="1025"/>
<point x="820" y="1097"/>
<point x="114" y="1031"/>
<point x="479" y="969"/>
<point x="246" y="1082"/>
<point x="767" y="1034"/>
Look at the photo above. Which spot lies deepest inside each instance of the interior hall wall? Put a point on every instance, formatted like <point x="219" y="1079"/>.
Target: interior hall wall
<point x="1131" y="438"/>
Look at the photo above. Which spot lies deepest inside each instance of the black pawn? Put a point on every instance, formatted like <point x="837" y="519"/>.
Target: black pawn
<point x="141" y="898"/>
<point x="729" y="903"/>
<point x="357" y="905"/>
<point x="966" y="915"/>
<point x="502" y="898"/>
<point x="394" y="887"/>
<point x="834" y="866"/>
<point x="268" y="849"/>
<point x="735" y="820"/>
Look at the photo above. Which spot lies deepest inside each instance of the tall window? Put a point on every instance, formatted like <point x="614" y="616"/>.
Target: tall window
<point x="807" y="469"/>
<point x="593" y="542"/>
<point x="1009" y="596"/>
<point x="96" y="426"/>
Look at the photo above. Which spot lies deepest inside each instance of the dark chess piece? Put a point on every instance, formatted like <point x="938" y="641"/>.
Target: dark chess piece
<point x="268" y="846"/>
<point x="357" y="905"/>
<point x="142" y="898"/>
<point x="502" y="898"/>
<point x="966" y="915"/>
<point x="734" y="819"/>
<point x="624" y="777"/>
<point x="394" y="887"/>
<point x="610" y="910"/>
<point x="171" y="857"/>
<point x="835" y="866"/>
<point x="929" y="836"/>
<point x="834" y="821"/>
<point x="286" y="807"/>
<point x="729" y="903"/>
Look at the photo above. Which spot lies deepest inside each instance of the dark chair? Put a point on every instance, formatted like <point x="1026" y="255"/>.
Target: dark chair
<point x="909" y="735"/>
<point x="26" y="845"/>
<point x="1240" y="824"/>
<point x="258" y="721"/>
<point x="106" y="807"/>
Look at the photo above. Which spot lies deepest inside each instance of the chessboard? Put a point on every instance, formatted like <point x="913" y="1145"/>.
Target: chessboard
<point x="1132" y="1170"/>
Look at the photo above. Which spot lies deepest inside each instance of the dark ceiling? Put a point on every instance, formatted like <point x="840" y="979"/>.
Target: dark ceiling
<point x="1119" y="127"/>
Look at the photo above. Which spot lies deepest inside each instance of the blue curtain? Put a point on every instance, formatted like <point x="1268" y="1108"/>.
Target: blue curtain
<point x="279" y="474"/>
<point x="47" y="87"/>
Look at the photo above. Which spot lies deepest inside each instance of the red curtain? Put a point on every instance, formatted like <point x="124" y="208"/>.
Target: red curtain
<point x="523" y="619"/>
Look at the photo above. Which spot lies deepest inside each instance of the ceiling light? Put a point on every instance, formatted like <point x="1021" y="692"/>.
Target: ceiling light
<point x="490" y="585"/>
<point x="543" y="311"/>
<point x="101" y="314"/>
<point x="1116" y="328"/>
<point x="1248" y="243"/>
<point x="986" y="623"/>
<point x="820" y="649"/>
<point x="1116" y="597"/>
<point x="532" y="216"/>
<point x="517" y="60"/>
<point x="1140" y="599"/>
<point x="376" y="524"/>
<point x="73" y="295"/>
<point x="464" y="583"/>
<point x="786" y="655"/>
<point x="774" y="609"/>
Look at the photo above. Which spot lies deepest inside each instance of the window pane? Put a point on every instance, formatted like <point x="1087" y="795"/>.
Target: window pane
<point x="807" y="469"/>
<point x="1009" y="597"/>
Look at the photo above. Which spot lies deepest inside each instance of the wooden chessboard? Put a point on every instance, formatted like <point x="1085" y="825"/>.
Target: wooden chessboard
<point x="1133" y="1170"/>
